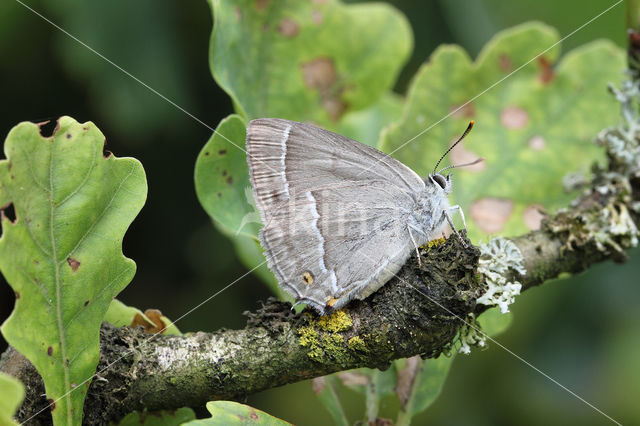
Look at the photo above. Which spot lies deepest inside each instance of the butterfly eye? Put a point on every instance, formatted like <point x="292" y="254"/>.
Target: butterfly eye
<point x="440" y="181"/>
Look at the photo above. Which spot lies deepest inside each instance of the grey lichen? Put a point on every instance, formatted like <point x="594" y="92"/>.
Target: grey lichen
<point x="497" y="258"/>
<point x="621" y="141"/>
<point x="471" y="335"/>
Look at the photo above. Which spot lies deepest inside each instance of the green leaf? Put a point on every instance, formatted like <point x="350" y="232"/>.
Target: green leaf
<point x="494" y="322"/>
<point x="122" y="315"/>
<point x="222" y="179"/>
<point x="283" y="58"/>
<point x="11" y="396"/>
<point x="365" y="125"/>
<point x="419" y="385"/>
<point x="250" y="254"/>
<point x="63" y="255"/>
<point x="325" y="390"/>
<point x="532" y="128"/>
<point x="232" y="413"/>
<point x="159" y="418"/>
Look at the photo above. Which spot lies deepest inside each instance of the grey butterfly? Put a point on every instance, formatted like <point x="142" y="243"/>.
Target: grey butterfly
<point x="339" y="218"/>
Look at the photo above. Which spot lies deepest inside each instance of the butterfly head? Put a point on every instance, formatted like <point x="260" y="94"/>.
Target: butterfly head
<point x="437" y="178"/>
<point x="440" y="182"/>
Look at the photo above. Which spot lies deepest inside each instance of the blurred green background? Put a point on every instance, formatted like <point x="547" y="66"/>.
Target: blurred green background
<point x="582" y="331"/>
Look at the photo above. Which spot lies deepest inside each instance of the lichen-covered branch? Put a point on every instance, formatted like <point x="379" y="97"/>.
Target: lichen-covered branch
<point x="419" y="312"/>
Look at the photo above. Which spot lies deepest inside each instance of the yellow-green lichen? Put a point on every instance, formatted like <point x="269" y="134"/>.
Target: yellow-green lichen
<point x="433" y="243"/>
<point x="336" y="322"/>
<point x="323" y="337"/>
<point x="357" y="343"/>
<point x="308" y="336"/>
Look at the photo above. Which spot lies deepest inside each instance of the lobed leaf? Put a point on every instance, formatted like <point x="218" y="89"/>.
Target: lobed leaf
<point x="222" y="179"/>
<point x="283" y="59"/>
<point x="11" y="395"/>
<point x="63" y="252"/>
<point x="232" y="413"/>
<point x="532" y="127"/>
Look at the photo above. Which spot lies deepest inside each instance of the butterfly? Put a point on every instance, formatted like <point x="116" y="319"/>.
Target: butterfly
<point x="339" y="218"/>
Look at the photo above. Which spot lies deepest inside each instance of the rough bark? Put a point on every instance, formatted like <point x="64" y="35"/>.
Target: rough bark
<point x="417" y="313"/>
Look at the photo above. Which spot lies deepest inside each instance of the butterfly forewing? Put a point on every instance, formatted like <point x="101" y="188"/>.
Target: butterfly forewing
<point x="328" y="204"/>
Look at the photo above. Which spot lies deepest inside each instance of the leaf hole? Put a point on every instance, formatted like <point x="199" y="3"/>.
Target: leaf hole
<point x="8" y="212"/>
<point x="47" y="128"/>
<point x="105" y="152"/>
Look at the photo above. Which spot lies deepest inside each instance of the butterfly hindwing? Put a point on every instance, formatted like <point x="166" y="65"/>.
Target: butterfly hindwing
<point x="328" y="205"/>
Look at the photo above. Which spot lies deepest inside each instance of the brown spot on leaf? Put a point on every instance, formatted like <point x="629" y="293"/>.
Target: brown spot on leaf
<point x="219" y="195"/>
<point x="262" y="4"/>
<point x="230" y="181"/>
<point x="406" y="377"/>
<point x="514" y="117"/>
<point x="465" y="110"/>
<point x="317" y="17"/>
<point x="17" y="294"/>
<point x="537" y="143"/>
<point x="240" y="417"/>
<point x="460" y="155"/>
<point x="546" y="70"/>
<point x="224" y="173"/>
<point x="533" y="217"/>
<point x="504" y="62"/>
<point x="335" y="108"/>
<point x="10" y="164"/>
<point x="68" y="135"/>
<point x="222" y="152"/>
<point x="52" y="404"/>
<point x="50" y="351"/>
<point x="288" y="27"/>
<point x="319" y="1"/>
<point x="491" y="214"/>
<point x="254" y="415"/>
<point x="237" y="12"/>
<point x="318" y="384"/>
<point x="156" y="325"/>
<point x="320" y="74"/>
<point x="74" y="385"/>
<point x="66" y="361"/>
<point x="86" y="303"/>
<point x="74" y="263"/>
<point x="207" y="153"/>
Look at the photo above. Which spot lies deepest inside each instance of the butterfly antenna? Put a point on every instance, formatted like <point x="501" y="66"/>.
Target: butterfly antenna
<point x="471" y="163"/>
<point x="466" y="132"/>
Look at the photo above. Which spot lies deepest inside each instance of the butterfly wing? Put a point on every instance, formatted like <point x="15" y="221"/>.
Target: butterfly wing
<point x="334" y="211"/>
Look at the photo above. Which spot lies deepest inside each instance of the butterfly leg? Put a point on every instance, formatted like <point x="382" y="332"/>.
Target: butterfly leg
<point x="415" y="245"/>
<point x="459" y="209"/>
<point x="453" y="228"/>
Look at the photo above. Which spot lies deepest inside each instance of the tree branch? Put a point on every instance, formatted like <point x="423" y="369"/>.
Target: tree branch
<point x="417" y="313"/>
